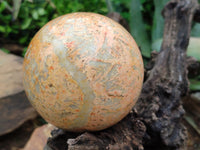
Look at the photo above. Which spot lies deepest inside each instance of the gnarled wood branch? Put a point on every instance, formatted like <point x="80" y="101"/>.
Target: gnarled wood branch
<point x="160" y="104"/>
<point x="156" y="118"/>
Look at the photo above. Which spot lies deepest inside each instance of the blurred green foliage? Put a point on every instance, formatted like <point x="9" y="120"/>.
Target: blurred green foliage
<point x="33" y="14"/>
<point x="21" y="19"/>
<point x="138" y="27"/>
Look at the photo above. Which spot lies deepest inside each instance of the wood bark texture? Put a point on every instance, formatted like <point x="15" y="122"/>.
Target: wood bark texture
<point x="160" y="105"/>
<point x="156" y="120"/>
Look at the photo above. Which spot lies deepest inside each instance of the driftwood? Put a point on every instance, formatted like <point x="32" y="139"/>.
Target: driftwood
<point x="156" y="120"/>
<point x="160" y="103"/>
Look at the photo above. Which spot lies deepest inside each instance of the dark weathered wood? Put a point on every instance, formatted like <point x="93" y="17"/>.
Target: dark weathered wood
<point x="160" y="104"/>
<point x="193" y="65"/>
<point x="156" y="120"/>
<point x="126" y="134"/>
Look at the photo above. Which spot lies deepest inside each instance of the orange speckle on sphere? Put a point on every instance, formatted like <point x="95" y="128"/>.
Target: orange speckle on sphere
<point x="120" y="67"/>
<point x="81" y="98"/>
<point x="51" y="68"/>
<point x="92" y="114"/>
<point x="69" y="44"/>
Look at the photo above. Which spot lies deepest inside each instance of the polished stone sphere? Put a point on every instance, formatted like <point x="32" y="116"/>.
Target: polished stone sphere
<point x="83" y="72"/>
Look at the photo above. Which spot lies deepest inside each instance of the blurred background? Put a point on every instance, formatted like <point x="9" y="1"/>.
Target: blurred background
<point x="21" y="19"/>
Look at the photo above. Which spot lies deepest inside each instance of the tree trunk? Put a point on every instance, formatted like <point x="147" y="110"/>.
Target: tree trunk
<point x="156" y="120"/>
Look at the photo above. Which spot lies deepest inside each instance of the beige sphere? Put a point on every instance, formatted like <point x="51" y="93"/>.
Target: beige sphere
<point x="83" y="71"/>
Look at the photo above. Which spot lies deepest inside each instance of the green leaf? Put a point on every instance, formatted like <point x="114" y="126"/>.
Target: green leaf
<point x="2" y="29"/>
<point x="35" y="15"/>
<point x="156" y="45"/>
<point x="2" y="6"/>
<point x="138" y="28"/>
<point x="24" y="11"/>
<point x="23" y="39"/>
<point x="26" y="23"/>
<point x="41" y="11"/>
<point x="158" y="21"/>
<point x="194" y="85"/>
<point x="143" y="1"/>
<point x="15" y="29"/>
<point x="8" y="29"/>
<point x="5" y="5"/>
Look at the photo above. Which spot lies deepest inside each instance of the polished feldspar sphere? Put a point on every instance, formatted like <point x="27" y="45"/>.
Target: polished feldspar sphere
<point x="83" y="71"/>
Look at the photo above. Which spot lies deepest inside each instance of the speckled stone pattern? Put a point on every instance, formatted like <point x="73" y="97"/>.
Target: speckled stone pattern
<point x="83" y="71"/>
